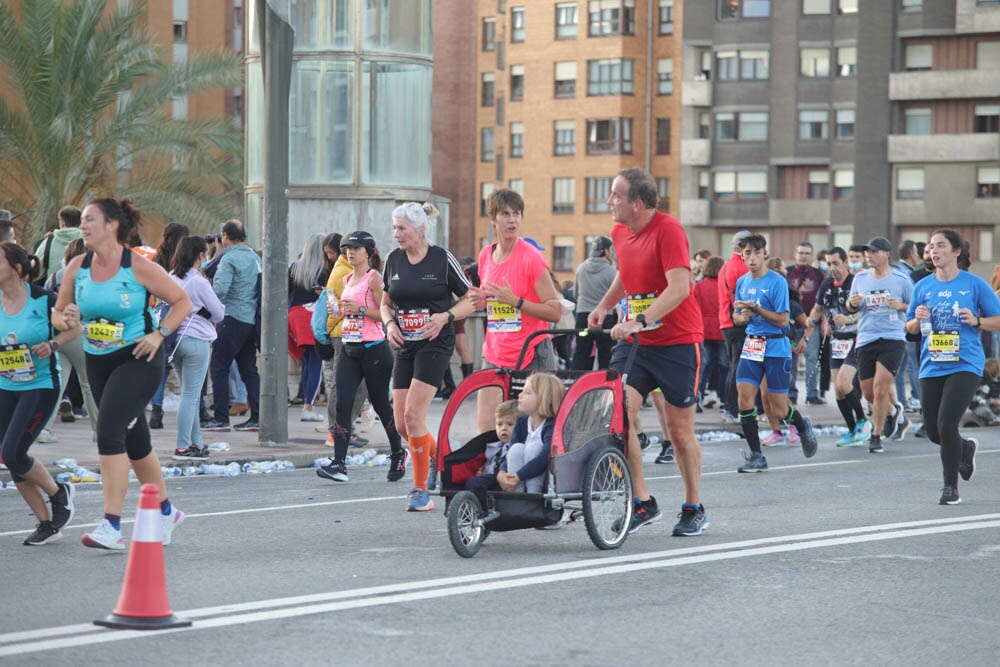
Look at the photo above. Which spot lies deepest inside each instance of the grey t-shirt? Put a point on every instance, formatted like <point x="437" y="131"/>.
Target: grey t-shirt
<point x="878" y="320"/>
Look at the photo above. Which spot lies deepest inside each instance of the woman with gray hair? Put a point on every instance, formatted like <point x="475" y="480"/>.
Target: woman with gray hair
<point x="306" y="279"/>
<point x="419" y="310"/>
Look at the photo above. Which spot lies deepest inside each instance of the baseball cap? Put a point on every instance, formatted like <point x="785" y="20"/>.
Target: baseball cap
<point x="4" y="215"/>
<point x="601" y="244"/>
<point x="534" y="243"/>
<point x="739" y="236"/>
<point x="358" y="239"/>
<point x="879" y="243"/>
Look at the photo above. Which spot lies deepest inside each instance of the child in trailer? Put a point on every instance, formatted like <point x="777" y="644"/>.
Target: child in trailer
<point x="528" y="458"/>
<point x="496" y="453"/>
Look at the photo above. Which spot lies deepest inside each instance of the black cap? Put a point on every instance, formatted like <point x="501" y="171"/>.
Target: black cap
<point x="358" y="239"/>
<point x="880" y="243"/>
<point x="4" y="215"/>
<point x="601" y="244"/>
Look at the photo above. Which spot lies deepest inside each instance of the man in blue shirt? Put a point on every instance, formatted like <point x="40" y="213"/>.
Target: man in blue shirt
<point x="762" y="306"/>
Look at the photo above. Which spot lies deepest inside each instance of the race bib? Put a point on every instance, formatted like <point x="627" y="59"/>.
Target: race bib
<point x="943" y="346"/>
<point x="351" y="328"/>
<point x="754" y="348"/>
<point x="412" y="321"/>
<point x="103" y="334"/>
<point x="841" y="347"/>
<point x="501" y="317"/>
<point x="16" y="363"/>
<point x="636" y="304"/>
<point x="878" y="299"/>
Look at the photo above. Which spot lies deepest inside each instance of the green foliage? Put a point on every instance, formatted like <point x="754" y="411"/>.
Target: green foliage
<point x="88" y="92"/>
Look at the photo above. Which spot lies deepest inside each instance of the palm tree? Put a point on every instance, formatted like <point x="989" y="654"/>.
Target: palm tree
<point x="85" y="112"/>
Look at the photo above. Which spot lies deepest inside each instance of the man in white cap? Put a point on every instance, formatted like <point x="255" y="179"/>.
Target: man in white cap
<point x="734" y="334"/>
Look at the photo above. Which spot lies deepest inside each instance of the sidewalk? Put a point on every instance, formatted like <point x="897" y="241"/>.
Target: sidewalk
<point x="305" y="444"/>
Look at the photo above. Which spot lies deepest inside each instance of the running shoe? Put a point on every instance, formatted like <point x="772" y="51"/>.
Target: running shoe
<point x="333" y="470"/>
<point x="397" y="466"/>
<point x="913" y="404"/>
<point x="875" y="445"/>
<point x="329" y="440"/>
<point x="105" y="536"/>
<point x="80" y="413"/>
<point x="171" y="521"/>
<point x="644" y="513"/>
<point x="753" y="463"/>
<point x="892" y="421"/>
<point x="192" y="453"/>
<point x="215" y="425"/>
<point x="793" y="434"/>
<point x="643" y="441"/>
<point x="862" y="431"/>
<point x="432" y="472"/>
<point x="809" y="444"/>
<point x="238" y="409"/>
<point x="65" y="413"/>
<point x="248" y="425"/>
<point x="46" y="436"/>
<point x="62" y="505"/>
<point x="44" y="533"/>
<point x="847" y="439"/>
<point x="358" y="441"/>
<point x="815" y="400"/>
<point x="666" y="454"/>
<point x="902" y="426"/>
<point x="729" y="418"/>
<point x="692" y="521"/>
<point x="311" y="416"/>
<point x="711" y="398"/>
<point x="420" y="501"/>
<point x="967" y="467"/>
<point x="949" y="496"/>
<point x="773" y="440"/>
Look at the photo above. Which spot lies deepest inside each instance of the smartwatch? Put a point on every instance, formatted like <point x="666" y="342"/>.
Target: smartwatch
<point x="641" y="319"/>
<point x="53" y="345"/>
<point x="362" y="310"/>
<point x="451" y="317"/>
<point x="164" y="331"/>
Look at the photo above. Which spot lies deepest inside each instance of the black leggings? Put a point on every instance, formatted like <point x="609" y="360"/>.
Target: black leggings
<point x="373" y="365"/>
<point x="122" y="387"/>
<point x="23" y="414"/>
<point x="944" y="400"/>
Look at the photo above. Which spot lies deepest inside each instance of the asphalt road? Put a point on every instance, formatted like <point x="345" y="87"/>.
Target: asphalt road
<point x="845" y="558"/>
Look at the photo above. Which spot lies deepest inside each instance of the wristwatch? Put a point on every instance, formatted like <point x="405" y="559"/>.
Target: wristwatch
<point x="164" y="331"/>
<point x="641" y="319"/>
<point x="362" y="310"/>
<point x="53" y="345"/>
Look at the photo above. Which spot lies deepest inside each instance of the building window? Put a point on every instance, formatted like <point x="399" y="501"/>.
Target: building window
<point x="489" y="34"/>
<point x="918" y="120"/>
<point x="847" y="61"/>
<point x="517" y="24"/>
<point x="987" y="118"/>
<point x="847" y="6"/>
<point x="516" y="140"/>
<point x="988" y="182"/>
<point x="744" y="126"/>
<point x="517" y="185"/>
<point x="565" y="80"/>
<point x="598" y="191"/>
<point x="703" y="184"/>
<point x="987" y="3"/>
<point x="843" y="184"/>
<point x="562" y="253"/>
<point x="486" y="141"/>
<point x="516" y="82"/>
<point x="663" y="194"/>
<point x="746" y="9"/>
<point x="741" y="185"/>
<point x="726" y="66"/>
<point x="819" y="184"/>
<point x="815" y="7"/>
<point x="754" y="65"/>
<point x="845" y="123"/>
<point x="485" y="190"/>
<point x="609" y="77"/>
<point x="725" y="126"/>
<point x="609" y="137"/>
<point x="988" y="54"/>
<point x="563" y="195"/>
<point x="919" y="57"/>
<point x="611" y="17"/>
<point x="705" y="125"/>
<point x="985" y="249"/>
<point x="663" y="136"/>
<point x="565" y="133"/>
<point x="180" y="32"/>
<point x="566" y="20"/>
<point x="665" y="17"/>
<point x="814" y="125"/>
<point x="912" y="5"/>
<point x="665" y="76"/>
<point x="909" y="183"/>
<point x="487" y="98"/>
<point x="815" y="62"/>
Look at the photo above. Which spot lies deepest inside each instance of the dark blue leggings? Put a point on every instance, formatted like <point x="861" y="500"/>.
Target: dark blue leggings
<point x="23" y="414"/>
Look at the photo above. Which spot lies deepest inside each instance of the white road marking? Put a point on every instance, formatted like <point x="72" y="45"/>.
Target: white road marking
<point x="45" y="639"/>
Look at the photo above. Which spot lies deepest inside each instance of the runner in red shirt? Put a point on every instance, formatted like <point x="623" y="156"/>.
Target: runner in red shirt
<point x="654" y="278"/>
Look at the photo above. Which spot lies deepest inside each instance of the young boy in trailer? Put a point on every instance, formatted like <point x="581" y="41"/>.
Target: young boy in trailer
<point x="762" y="306"/>
<point x="496" y="453"/>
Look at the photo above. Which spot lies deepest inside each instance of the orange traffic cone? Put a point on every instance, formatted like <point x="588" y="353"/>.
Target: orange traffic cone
<point x="143" y="604"/>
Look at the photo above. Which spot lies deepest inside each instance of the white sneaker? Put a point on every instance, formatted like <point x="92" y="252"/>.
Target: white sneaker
<point x="105" y="536"/>
<point x="45" y="436"/>
<point x="711" y="398"/>
<point x="171" y="521"/>
<point x="913" y="404"/>
<point x="366" y="420"/>
<point x="311" y="416"/>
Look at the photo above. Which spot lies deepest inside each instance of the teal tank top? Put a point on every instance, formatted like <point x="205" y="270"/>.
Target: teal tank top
<point x="114" y="313"/>
<point x="20" y="370"/>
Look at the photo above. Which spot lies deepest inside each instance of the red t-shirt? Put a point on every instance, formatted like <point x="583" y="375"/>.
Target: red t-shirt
<point x="643" y="260"/>
<point x="521" y="269"/>
<point x="730" y="273"/>
<point x="706" y="293"/>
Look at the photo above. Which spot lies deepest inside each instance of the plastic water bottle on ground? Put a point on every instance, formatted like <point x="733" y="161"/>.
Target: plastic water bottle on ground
<point x="63" y="477"/>
<point x="67" y="464"/>
<point x="232" y="469"/>
<point x="379" y="460"/>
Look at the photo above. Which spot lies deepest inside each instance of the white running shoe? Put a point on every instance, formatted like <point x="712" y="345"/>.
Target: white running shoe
<point x="311" y="416"/>
<point x="105" y="536"/>
<point x="171" y="521"/>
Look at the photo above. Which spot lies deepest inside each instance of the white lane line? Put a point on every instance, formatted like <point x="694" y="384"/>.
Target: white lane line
<point x="263" y="610"/>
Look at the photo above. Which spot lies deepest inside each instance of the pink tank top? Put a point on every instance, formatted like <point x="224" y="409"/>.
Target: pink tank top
<point x="360" y="328"/>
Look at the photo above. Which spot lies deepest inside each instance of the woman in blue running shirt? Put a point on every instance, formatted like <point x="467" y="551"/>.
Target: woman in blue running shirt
<point x="950" y="307"/>
<point x="107" y="292"/>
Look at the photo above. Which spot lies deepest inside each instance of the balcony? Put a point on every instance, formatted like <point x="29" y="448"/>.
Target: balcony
<point x="944" y="84"/>
<point x="694" y="212"/>
<point x="696" y="152"/>
<point x="798" y="212"/>
<point x="696" y="93"/>
<point x="978" y="147"/>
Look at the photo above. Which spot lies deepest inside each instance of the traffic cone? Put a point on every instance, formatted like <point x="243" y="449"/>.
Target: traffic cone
<point x="143" y="604"/>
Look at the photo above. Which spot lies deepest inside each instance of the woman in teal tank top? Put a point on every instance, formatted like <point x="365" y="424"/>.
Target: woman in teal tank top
<point x="106" y="294"/>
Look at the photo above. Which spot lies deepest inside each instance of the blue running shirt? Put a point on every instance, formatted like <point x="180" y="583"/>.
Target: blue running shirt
<point x="769" y="292"/>
<point x="20" y="369"/>
<point x="114" y="313"/>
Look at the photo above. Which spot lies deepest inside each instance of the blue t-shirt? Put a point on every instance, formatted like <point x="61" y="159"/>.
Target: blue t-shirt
<point x="945" y="300"/>
<point x="114" y="313"/>
<point x="20" y="369"/>
<point x="878" y="320"/>
<point x="769" y="292"/>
